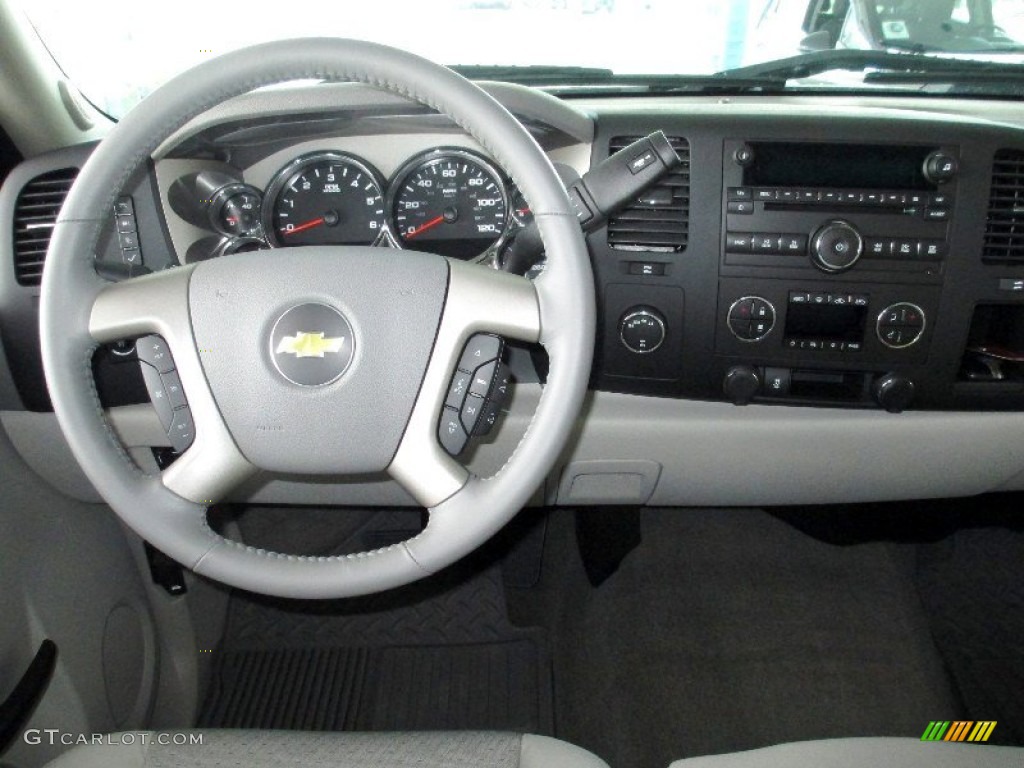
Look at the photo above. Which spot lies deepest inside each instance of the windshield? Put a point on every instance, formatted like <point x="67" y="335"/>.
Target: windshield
<point x="136" y="46"/>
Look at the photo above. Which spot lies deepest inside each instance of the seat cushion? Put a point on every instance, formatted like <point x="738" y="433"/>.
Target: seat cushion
<point x="254" y="749"/>
<point x="864" y="753"/>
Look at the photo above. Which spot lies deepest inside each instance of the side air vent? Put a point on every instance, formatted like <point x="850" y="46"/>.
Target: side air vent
<point x="660" y="218"/>
<point x="1004" y="231"/>
<point x="35" y="213"/>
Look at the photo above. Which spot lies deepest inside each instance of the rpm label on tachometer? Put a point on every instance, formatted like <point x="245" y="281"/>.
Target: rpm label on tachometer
<point x="328" y="198"/>
<point x="450" y="202"/>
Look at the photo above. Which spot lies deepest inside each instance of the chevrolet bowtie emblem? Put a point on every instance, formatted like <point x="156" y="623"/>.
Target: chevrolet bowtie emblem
<point x="308" y="344"/>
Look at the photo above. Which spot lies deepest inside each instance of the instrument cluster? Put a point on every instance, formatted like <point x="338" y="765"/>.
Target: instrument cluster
<point x="449" y="201"/>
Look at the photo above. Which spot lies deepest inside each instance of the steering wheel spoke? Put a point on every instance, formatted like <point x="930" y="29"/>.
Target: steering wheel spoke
<point x="478" y="301"/>
<point x="157" y="306"/>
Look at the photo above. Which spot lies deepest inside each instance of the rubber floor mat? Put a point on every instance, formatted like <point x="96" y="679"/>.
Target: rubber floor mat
<point x="440" y="653"/>
<point x="483" y="686"/>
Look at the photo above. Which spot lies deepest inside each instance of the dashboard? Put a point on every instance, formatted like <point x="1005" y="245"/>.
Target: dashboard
<point x="823" y="302"/>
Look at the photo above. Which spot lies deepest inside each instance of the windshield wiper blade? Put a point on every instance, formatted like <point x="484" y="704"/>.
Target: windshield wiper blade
<point x="594" y="80"/>
<point x="810" y="64"/>
<point x="539" y="74"/>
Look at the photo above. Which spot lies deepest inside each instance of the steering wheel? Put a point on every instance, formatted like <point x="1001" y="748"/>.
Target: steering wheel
<point x="406" y="315"/>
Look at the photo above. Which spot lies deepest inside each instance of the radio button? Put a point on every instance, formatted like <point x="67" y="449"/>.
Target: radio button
<point x="904" y="249"/>
<point x="743" y="207"/>
<point x="738" y="242"/>
<point x="917" y="198"/>
<point x="859" y="300"/>
<point x="936" y="214"/>
<point x="762" y="243"/>
<point x="787" y="195"/>
<point x="793" y="245"/>
<point x="819" y="298"/>
<point x="851" y="197"/>
<point x="840" y="299"/>
<point x="873" y="198"/>
<point x="940" y="199"/>
<point x="851" y="346"/>
<point x="799" y="297"/>
<point x="878" y="248"/>
<point x="740" y="194"/>
<point x="894" y="198"/>
<point x="808" y="195"/>
<point x="764" y="195"/>
<point x="932" y="249"/>
<point x="830" y="196"/>
<point x="832" y="346"/>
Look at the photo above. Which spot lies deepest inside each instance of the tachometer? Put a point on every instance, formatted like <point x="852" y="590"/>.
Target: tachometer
<point x="450" y="202"/>
<point x="327" y="198"/>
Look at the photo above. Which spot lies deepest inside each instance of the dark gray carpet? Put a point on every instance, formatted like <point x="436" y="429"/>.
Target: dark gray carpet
<point x="437" y="654"/>
<point x="728" y="630"/>
<point x="973" y="588"/>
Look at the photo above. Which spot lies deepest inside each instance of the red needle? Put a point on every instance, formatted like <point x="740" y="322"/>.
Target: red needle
<point x="307" y="225"/>
<point x="432" y="223"/>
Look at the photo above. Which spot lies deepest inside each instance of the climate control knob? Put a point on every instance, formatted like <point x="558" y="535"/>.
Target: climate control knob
<point x="742" y="383"/>
<point x="642" y="330"/>
<point x="893" y="392"/>
<point x="836" y="247"/>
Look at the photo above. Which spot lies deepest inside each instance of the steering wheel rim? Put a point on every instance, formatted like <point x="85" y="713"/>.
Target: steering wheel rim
<point x="79" y="310"/>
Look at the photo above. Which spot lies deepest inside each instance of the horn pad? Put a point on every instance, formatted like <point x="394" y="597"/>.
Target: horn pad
<point x="315" y="355"/>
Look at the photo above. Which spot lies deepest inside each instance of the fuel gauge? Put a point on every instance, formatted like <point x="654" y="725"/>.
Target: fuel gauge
<point x="235" y="210"/>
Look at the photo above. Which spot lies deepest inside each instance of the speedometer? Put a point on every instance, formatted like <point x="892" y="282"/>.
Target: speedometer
<point x="450" y="202"/>
<point x="327" y="198"/>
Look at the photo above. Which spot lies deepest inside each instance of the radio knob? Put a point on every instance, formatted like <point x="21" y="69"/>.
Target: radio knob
<point x="642" y="330"/>
<point x="836" y="247"/>
<point x="893" y="392"/>
<point x="940" y="167"/>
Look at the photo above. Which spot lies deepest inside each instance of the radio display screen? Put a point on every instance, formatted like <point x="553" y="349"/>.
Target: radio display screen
<point x="825" y="321"/>
<point x="842" y="166"/>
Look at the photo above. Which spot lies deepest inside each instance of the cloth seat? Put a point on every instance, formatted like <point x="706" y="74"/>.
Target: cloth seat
<point x="281" y="749"/>
<point x="865" y="753"/>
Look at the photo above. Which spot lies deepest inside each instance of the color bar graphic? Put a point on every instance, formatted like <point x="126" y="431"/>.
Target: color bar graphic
<point x="959" y="730"/>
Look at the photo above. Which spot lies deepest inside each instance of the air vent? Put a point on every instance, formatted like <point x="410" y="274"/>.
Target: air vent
<point x="660" y="218"/>
<point x="35" y="213"/>
<point x="1004" y="232"/>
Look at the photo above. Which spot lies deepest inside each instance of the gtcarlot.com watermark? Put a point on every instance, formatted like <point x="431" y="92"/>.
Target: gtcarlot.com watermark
<point x="55" y="736"/>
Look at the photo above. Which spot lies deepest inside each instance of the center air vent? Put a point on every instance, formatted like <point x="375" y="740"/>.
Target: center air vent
<point x="1004" y="231"/>
<point x="659" y="220"/>
<point x="35" y="213"/>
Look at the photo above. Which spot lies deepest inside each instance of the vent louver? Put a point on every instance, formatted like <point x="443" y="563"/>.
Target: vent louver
<point x="660" y="218"/>
<point x="1004" y="230"/>
<point x="35" y="213"/>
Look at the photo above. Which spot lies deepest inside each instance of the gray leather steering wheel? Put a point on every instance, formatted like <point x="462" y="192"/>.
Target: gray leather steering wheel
<point x="409" y="314"/>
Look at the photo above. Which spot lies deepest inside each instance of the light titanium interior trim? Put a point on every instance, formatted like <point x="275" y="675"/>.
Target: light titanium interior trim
<point x="478" y="300"/>
<point x="158" y="304"/>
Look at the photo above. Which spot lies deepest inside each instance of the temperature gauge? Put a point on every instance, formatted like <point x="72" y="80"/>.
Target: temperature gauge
<point x="235" y="210"/>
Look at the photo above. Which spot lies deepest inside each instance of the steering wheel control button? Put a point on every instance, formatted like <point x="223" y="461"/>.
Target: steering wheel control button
<point x="158" y="394"/>
<point x="471" y="410"/>
<point x="642" y="330"/>
<point x="457" y="389"/>
<point x="182" y="430"/>
<point x="751" y="318"/>
<point x="450" y="433"/>
<point x="153" y="350"/>
<point x="481" y="348"/>
<point x="900" y="325"/>
<point x="483" y="378"/>
<point x="836" y="247"/>
<point x="172" y="388"/>
<point x="312" y="345"/>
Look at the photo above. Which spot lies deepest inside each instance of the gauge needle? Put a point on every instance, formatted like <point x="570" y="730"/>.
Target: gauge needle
<point x="432" y="223"/>
<point x="307" y="225"/>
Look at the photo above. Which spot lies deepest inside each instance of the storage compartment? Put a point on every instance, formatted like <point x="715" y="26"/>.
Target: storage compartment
<point x="992" y="369"/>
